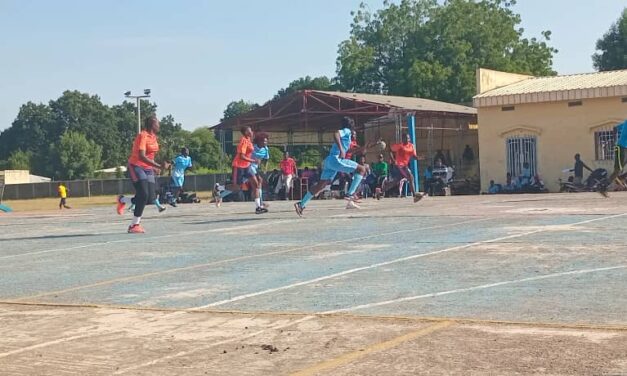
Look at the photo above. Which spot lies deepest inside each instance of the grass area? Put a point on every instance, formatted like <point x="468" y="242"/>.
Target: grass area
<point x="47" y="204"/>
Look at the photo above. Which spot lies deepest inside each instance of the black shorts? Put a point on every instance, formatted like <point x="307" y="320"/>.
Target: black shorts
<point x="243" y="175"/>
<point x="399" y="173"/>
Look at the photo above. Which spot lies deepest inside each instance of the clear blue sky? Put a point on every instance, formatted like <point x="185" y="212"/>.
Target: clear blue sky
<point x="197" y="56"/>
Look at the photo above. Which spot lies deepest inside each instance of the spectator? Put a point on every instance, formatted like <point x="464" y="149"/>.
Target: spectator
<point x="494" y="188"/>
<point x="525" y="176"/>
<point x="288" y="171"/>
<point x="578" y="170"/>
<point x="468" y="155"/>
<point x="439" y="155"/>
<point x="510" y="186"/>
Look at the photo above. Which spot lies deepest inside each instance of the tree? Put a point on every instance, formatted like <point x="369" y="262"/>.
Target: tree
<point x="612" y="48"/>
<point x="76" y="157"/>
<point x="421" y="48"/>
<point x="310" y="157"/>
<point x="205" y="150"/>
<point x="237" y="108"/>
<point x="20" y="160"/>
<point x="305" y="83"/>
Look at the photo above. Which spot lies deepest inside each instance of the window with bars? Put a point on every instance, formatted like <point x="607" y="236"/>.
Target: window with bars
<point x="520" y="151"/>
<point x="604" y="142"/>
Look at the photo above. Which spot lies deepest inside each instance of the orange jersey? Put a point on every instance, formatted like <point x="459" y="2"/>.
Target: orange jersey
<point x="245" y="147"/>
<point x="403" y="153"/>
<point x="147" y="142"/>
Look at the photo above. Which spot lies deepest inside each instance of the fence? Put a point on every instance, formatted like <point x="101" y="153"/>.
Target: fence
<point x="88" y="188"/>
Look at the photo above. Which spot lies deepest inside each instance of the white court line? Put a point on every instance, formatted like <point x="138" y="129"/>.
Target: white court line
<point x="140" y="238"/>
<point x="395" y="261"/>
<point x="235" y="259"/>
<point x="306" y="318"/>
<point x="49" y="343"/>
<point x="474" y="288"/>
<point x="230" y="340"/>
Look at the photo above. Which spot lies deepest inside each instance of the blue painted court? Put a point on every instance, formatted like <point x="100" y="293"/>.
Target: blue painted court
<point x="545" y="259"/>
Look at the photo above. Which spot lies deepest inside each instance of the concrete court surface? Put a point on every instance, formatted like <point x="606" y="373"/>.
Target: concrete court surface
<point x="499" y="285"/>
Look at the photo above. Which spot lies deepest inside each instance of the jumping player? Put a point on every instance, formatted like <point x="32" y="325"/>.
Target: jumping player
<point x="180" y="164"/>
<point x="242" y="159"/>
<point x="401" y="156"/>
<point x="261" y="154"/>
<point x="620" y="156"/>
<point x="337" y="162"/>
<point x="142" y="168"/>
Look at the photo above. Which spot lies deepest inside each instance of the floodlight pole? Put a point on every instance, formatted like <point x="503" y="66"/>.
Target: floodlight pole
<point x="138" y="99"/>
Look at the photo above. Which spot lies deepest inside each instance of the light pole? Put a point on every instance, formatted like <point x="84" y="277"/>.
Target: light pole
<point x="138" y="99"/>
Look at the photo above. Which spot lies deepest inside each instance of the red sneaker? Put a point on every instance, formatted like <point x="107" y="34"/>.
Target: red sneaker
<point x="121" y="206"/>
<point x="136" y="229"/>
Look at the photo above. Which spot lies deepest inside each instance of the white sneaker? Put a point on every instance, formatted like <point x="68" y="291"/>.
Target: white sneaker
<point x="352" y="205"/>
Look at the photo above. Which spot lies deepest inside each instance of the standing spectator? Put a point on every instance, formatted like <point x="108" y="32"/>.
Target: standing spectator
<point x="468" y="155"/>
<point x="288" y="172"/>
<point x="62" y="190"/>
<point x="578" y="170"/>
<point x="440" y="155"/>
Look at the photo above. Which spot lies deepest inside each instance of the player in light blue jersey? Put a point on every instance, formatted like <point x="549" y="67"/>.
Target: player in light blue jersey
<point x="180" y="164"/>
<point x="260" y="155"/>
<point x="337" y="162"/>
<point x="620" y="157"/>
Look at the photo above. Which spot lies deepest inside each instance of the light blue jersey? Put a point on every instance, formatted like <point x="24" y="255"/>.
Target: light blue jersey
<point x="345" y="139"/>
<point x="333" y="163"/>
<point x="179" y="165"/>
<point x="621" y="134"/>
<point x="261" y="153"/>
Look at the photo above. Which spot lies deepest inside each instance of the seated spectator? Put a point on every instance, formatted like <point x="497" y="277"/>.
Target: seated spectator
<point x="510" y="185"/>
<point x="494" y="188"/>
<point x="525" y="177"/>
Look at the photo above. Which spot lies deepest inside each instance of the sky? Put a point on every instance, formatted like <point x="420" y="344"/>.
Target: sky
<point x="198" y="55"/>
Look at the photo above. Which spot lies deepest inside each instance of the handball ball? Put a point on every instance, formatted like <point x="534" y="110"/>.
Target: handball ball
<point x="381" y="144"/>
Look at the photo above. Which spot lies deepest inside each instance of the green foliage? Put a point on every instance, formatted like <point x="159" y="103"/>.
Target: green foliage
<point x="307" y="82"/>
<point x="421" y="48"/>
<point x="76" y="156"/>
<point x="19" y="160"/>
<point x="46" y="137"/>
<point x="205" y="150"/>
<point x="612" y="48"/>
<point x="310" y="157"/>
<point x="237" y="108"/>
<point x="276" y="155"/>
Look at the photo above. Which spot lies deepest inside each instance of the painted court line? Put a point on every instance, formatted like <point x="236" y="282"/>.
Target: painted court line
<point x="134" y="238"/>
<point x="390" y="262"/>
<point x="49" y="343"/>
<point x="350" y="357"/>
<point x="235" y="259"/>
<point x="230" y="340"/>
<point x="475" y="288"/>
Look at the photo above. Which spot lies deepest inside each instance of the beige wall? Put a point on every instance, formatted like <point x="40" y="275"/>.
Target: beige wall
<point x="561" y="132"/>
<point x="16" y="176"/>
<point x="489" y="79"/>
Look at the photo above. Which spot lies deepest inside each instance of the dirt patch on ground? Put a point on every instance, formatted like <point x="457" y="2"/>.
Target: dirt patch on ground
<point x="105" y="341"/>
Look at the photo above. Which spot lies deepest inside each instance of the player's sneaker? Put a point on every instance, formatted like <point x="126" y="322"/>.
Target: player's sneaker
<point x="136" y="229"/>
<point x="353" y="198"/>
<point x="352" y="205"/>
<point x="299" y="209"/>
<point x="419" y="196"/>
<point x="261" y="210"/>
<point x="161" y="209"/>
<point x="121" y="205"/>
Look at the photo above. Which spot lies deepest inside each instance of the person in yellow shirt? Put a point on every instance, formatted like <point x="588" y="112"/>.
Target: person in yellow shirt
<point x="63" y="194"/>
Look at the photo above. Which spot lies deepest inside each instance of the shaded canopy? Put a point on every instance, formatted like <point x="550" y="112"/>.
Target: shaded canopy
<point x="320" y="111"/>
